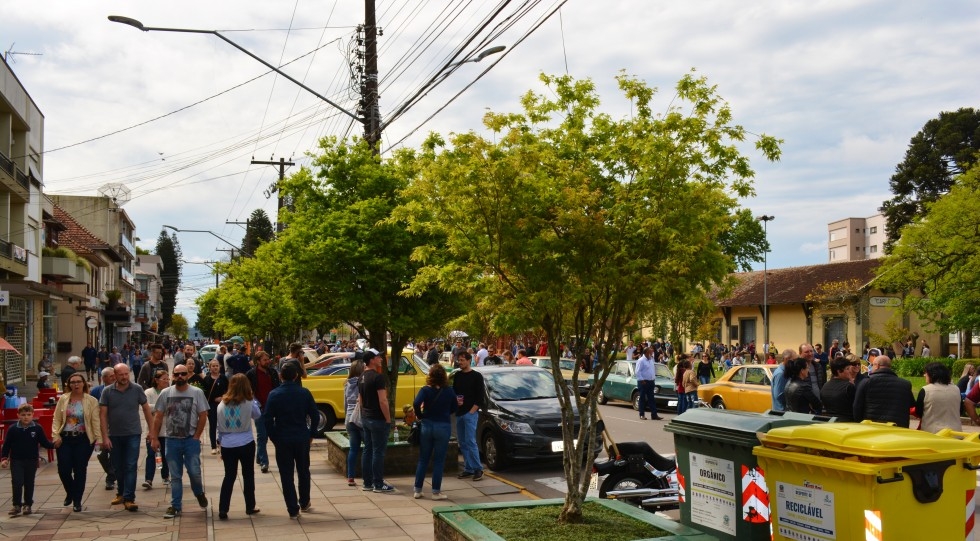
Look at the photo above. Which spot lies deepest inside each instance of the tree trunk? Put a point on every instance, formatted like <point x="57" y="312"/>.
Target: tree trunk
<point x="966" y="348"/>
<point x="571" y="512"/>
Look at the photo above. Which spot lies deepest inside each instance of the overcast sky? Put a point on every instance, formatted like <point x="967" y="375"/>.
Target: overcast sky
<point x="845" y="84"/>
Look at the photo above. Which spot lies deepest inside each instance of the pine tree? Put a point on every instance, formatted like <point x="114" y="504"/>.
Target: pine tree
<point x="168" y="248"/>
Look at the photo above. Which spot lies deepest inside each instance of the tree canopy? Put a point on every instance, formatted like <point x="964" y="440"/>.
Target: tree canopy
<point x="168" y="248"/>
<point x="581" y="223"/>
<point x="944" y="148"/>
<point x="939" y="256"/>
<point x="259" y="230"/>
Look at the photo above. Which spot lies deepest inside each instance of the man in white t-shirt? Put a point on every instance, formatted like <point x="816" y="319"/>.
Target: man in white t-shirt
<point x="482" y="354"/>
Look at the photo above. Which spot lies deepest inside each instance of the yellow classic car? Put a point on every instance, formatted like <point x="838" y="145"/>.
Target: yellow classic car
<point x="745" y="388"/>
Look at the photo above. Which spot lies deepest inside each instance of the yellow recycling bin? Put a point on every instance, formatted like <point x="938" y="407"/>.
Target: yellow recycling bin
<point x="869" y="481"/>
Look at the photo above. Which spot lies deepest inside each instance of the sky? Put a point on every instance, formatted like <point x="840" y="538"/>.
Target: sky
<point x="176" y="118"/>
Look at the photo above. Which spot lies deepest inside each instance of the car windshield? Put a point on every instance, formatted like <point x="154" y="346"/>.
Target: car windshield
<point x="663" y="371"/>
<point x="519" y="385"/>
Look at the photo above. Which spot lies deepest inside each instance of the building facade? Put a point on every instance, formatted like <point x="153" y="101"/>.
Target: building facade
<point x="856" y="239"/>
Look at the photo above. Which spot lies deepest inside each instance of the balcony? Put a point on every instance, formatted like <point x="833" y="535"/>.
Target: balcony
<point x="126" y="276"/>
<point x="59" y="269"/>
<point x="127" y="245"/>
<point x="9" y="262"/>
<point x="117" y="314"/>
<point x="13" y="179"/>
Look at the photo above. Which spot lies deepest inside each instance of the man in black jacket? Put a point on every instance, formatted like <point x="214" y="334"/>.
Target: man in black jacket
<point x="837" y="394"/>
<point x="289" y="408"/>
<point x="883" y="396"/>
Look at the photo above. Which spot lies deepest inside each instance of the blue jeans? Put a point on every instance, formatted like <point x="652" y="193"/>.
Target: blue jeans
<point x="355" y="435"/>
<point x="375" y="445"/>
<point x="681" y="402"/>
<point x="261" y="442"/>
<point x="692" y="399"/>
<point x="125" y="457"/>
<point x="704" y="379"/>
<point x="184" y="452"/>
<point x="647" y="398"/>
<point x="466" y="435"/>
<point x="433" y="444"/>
<point x="151" y="462"/>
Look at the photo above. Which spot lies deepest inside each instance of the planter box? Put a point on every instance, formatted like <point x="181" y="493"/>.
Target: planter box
<point x="453" y="523"/>
<point x="400" y="458"/>
<point x="58" y="266"/>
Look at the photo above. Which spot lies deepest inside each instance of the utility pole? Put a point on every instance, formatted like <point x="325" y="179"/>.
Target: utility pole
<point x="371" y="111"/>
<point x="245" y="244"/>
<point x="282" y="163"/>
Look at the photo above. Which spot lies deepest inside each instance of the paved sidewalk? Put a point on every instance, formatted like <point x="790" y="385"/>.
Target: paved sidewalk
<point x="339" y="512"/>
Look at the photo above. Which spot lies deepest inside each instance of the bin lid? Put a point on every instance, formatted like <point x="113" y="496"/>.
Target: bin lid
<point x="872" y="440"/>
<point x="737" y="427"/>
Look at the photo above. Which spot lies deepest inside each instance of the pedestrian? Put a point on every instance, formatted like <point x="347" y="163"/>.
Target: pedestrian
<point x="91" y="356"/>
<point x="75" y="428"/>
<point x="646" y="384"/>
<point x="290" y="420"/>
<point x="74" y="364"/>
<point x="19" y="452"/>
<point x="119" y="409"/>
<point x="186" y="353"/>
<point x="155" y="363"/>
<point x="181" y="411"/>
<point x="237" y="410"/>
<point x="376" y="421"/>
<point x="883" y="396"/>
<point x="161" y="381"/>
<point x="938" y="403"/>
<point x="800" y="397"/>
<point x="779" y="381"/>
<point x="108" y="376"/>
<point x="355" y="434"/>
<point x="263" y="380"/>
<point x="434" y="405"/>
<point x="296" y="356"/>
<point x="522" y="358"/>
<point x="837" y="395"/>
<point x="679" y="371"/>
<point x="470" y="398"/>
<point x="690" y="383"/>
<point x="215" y="386"/>
<point x="705" y="369"/>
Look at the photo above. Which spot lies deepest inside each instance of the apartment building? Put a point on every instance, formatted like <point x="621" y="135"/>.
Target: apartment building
<point x="856" y="239"/>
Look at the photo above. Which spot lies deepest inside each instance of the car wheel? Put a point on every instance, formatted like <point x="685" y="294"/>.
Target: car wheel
<point x="602" y="397"/>
<point x="635" y="399"/>
<point x="327" y="419"/>
<point x="718" y="403"/>
<point x="493" y="452"/>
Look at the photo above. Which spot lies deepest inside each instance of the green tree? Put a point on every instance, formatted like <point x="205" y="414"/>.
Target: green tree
<point x="584" y="224"/>
<point x="939" y="257"/>
<point x="348" y="256"/>
<point x="168" y="248"/>
<point x="258" y="231"/>
<point x="945" y="147"/>
<point x="178" y="326"/>
<point x="207" y="307"/>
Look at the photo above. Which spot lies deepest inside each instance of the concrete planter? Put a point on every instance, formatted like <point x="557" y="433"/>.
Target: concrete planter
<point x="400" y="458"/>
<point x="453" y="523"/>
<point x="58" y="266"/>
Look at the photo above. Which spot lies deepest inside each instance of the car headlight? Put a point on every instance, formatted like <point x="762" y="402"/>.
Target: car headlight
<point x="515" y="427"/>
<point x="657" y="389"/>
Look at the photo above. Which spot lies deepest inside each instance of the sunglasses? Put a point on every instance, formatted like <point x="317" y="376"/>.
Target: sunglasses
<point x="180" y="374"/>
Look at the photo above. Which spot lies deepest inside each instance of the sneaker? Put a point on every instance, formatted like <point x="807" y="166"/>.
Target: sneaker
<point x="385" y="487"/>
<point x="265" y="468"/>
<point x="202" y="500"/>
<point x="148" y="485"/>
<point x="351" y="482"/>
<point x="464" y="474"/>
<point x="14" y="511"/>
<point x="294" y="517"/>
<point x="171" y="513"/>
<point x="439" y="496"/>
<point x="214" y="451"/>
<point x="131" y="506"/>
<point x="367" y="488"/>
<point x="478" y="475"/>
<point x="117" y="500"/>
<point x="26" y="510"/>
<point x="77" y="508"/>
<point x="306" y="508"/>
<point x="417" y="495"/>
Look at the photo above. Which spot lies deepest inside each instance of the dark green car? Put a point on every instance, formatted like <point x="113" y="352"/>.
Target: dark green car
<point x="621" y="385"/>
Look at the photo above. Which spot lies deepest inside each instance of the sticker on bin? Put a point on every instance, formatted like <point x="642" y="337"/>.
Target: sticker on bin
<point x="971" y="510"/>
<point x="713" y="497"/>
<point x="755" y="495"/>
<point x="681" y="485"/>
<point x="805" y="512"/>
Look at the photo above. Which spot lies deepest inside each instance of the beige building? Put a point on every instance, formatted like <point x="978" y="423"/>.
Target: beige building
<point x="800" y="310"/>
<point x="856" y="239"/>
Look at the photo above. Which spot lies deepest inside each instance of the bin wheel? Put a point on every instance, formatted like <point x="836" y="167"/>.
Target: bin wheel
<point x="718" y="403"/>
<point x="627" y="481"/>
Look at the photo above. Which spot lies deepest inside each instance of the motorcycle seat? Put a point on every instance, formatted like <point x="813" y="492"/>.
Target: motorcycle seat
<point x="642" y="448"/>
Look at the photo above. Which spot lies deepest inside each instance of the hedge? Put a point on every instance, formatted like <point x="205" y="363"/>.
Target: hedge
<point x="914" y="366"/>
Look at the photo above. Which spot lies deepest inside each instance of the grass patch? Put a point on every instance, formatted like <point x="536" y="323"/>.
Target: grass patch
<point x="540" y="523"/>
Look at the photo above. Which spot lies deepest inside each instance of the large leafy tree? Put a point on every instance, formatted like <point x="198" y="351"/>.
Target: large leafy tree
<point x="583" y="223"/>
<point x="349" y="259"/>
<point x="168" y="248"/>
<point x="207" y="307"/>
<point x="945" y="147"/>
<point x="939" y="256"/>
<point x="178" y="326"/>
<point x="259" y="230"/>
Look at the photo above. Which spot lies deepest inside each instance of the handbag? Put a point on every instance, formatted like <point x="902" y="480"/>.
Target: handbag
<point x="415" y="434"/>
<point x="355" y="416"/>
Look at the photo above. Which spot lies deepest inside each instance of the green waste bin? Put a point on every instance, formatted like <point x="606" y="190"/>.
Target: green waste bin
<point x="722" y="490"/>
<point x="870" y="481"/>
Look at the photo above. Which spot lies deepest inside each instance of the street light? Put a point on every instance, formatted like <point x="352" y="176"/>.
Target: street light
<point x="212" y="233"/>
<point x="765" y="278"/>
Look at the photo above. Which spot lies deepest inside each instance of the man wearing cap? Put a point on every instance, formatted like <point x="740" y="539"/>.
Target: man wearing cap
<point x="873" y="353"/>
<point x="74" y="363"/>
<point x="837" y="394"/>
<point x="883" y="396"/>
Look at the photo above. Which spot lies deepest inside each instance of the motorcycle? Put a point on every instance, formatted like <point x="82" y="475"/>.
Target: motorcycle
<point x="639" y="476"/>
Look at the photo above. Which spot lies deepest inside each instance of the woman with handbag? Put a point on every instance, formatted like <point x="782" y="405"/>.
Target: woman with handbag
<point x="215" y="387"/>
<point x="76" y="425"/>
<point x="352" y="408"/>
<point x="433" y="405"/>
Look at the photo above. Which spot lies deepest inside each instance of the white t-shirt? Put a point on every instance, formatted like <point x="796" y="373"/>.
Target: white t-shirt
<point x="481" y="356"/>
<point x="181" y="410"/>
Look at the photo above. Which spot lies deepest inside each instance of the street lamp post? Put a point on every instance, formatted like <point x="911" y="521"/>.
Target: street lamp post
<point x="765" y="219"/>
<point x="212" y="233"/>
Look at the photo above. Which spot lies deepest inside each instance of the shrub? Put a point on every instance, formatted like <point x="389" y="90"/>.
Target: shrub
<point x="915" y="366"/>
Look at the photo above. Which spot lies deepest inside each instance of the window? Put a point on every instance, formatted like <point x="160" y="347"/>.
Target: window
<point x="857" y="248"/>
<point x="838" y="234"/>
<point x="874" y="249"/>
<point x="857" y="229"/>
<point x="833" y="255"/>
<point x="874" y="230"/>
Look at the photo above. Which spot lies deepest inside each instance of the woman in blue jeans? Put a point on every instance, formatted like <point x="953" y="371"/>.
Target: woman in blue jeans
<point x="161" y="380"/>
<point x="355" y="434"/>
<point x="433" y="405"/>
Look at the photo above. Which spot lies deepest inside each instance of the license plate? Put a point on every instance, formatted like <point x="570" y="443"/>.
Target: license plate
<point x="559" y="446"/>
<point x="671" y="403"/>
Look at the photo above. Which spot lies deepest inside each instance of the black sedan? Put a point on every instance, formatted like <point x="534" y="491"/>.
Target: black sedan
<point x="522" y="420"/>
